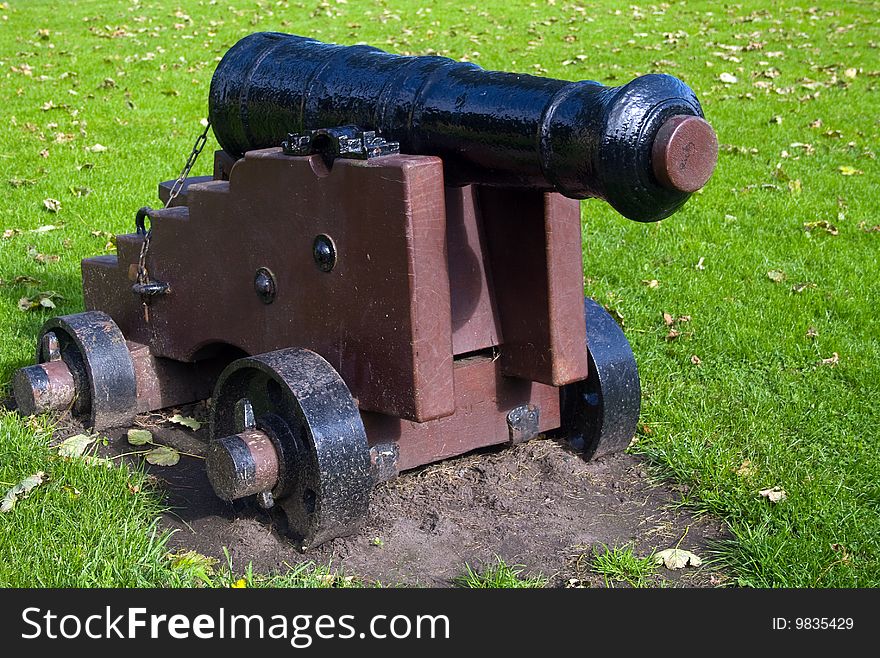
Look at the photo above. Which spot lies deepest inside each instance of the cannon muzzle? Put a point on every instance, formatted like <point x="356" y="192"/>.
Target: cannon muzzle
<point x="644" y="147"/>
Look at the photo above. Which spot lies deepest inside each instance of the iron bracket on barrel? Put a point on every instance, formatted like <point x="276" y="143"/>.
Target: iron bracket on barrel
<point x="348" y="142"/>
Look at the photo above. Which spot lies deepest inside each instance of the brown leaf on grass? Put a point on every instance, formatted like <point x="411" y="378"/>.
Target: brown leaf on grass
<point x="822" y="225"/>
<point x="776" y="276"/>
<point x="667" y="319"/>
<point x="108" y="236"/>
<point x="800" y="287"/>
<point x="52" y="205"/>
<point x="812" y="332"/>
<point x="21" y="490"/>
<point x="80" y="190"/>
<point x="847" y="170"/>
<point x="38" y="301"/>
<point x="863" y="226"/>
<point x="42" y="258"/>
<point x="745" y="469"/>
<point x="841" y="549"/>
<point x="673" y="334"/>
<point x="832" y="360"/>
<point x="696" y="360"/>
<point x="11" y="232"/>
<point x="774" y="494"/>
<point x="651" y="283"/>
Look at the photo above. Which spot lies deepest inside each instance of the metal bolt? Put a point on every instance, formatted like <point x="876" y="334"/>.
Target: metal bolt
<point x="244" y="415"/>
<point x="324" y="252"/>
<point x="49" y="349"/>
<point x="265" y="499"/>
<point x="264" y="285"/>
<point x="383" y="461"/>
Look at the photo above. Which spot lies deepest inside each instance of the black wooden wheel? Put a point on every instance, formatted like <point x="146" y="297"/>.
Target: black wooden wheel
<point x="94" y="350"/>
<point x="600" y="413"/>
<point x="302" y="404"/>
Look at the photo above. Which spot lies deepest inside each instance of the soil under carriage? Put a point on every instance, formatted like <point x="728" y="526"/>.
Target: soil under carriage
<point x="538" y="505"/>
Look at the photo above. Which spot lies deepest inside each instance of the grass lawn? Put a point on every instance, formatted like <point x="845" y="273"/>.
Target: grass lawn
<point x="764" y="371"/>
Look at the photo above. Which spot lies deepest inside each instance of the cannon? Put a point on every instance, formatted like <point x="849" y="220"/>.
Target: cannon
<point x="384" y="270"/>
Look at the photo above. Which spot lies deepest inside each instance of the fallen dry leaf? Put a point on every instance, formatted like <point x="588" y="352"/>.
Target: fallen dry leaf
<point x="52" y="205"/>
<point x="832" y="360"/>
<point x="38" y="301"/>
<point x="774" y="494"/>
<point x="776" y="276"/>
<point x="677" y="558"/>
<point x="822" y="225"/>
<point x="745" y="469"/>
<point x="696" y="360"/>
<point x="186" y="421"/>
<point x="21" y="490"/>
<point x="75" y="446"/>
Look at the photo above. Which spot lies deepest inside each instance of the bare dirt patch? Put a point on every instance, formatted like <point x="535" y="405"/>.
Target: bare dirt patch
<point x="538" y="504"/>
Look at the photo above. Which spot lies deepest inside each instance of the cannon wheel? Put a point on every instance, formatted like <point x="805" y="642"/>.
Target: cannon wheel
<point x="302" y="404"/>
<point x="103" y="390"/>
<point x="600" y="413"/>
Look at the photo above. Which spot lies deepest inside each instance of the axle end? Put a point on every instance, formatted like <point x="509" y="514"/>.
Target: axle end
<point x="44" y="387"/>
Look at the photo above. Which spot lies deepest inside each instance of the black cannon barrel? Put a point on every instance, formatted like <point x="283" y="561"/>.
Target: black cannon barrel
<point x="643" y="147"/>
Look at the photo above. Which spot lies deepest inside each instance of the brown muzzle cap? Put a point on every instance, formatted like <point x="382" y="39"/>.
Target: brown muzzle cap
<point x="684" y="153"/>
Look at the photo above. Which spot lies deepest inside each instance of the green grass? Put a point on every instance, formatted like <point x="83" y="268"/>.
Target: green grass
<point x="759" y="395"/>
<point x="95" y="526"/>
<point x="85" y="526"/>
<point x="499" y="575"/>
<point x="620" y="565"/>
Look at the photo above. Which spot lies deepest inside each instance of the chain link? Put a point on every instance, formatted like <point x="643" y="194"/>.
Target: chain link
<point x="143" y="275"/>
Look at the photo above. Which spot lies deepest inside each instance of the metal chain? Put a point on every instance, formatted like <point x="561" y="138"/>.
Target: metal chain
<point x="143" y="276"/>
